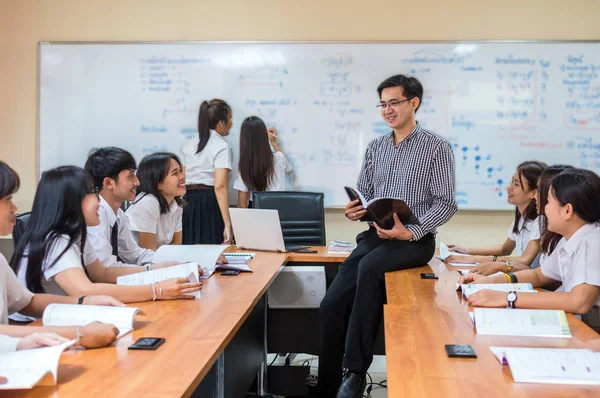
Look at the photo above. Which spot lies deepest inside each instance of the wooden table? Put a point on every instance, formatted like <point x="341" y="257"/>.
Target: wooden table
<point x="423" y="315"/>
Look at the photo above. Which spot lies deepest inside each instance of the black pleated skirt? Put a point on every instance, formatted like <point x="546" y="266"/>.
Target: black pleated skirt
<point x="202" y="220"/>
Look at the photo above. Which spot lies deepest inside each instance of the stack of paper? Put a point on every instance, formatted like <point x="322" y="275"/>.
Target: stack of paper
<point x="470" y="288"/>
<point x="521" y="322"/>
<point x="338" y="246"/>
<point x="550" y="365"/>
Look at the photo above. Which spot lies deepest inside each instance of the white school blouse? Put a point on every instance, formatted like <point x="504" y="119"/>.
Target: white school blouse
<point x="144" y="216"/>
<point x="281" y="166"/>
<point x="13" y="296"/>
<point x="129" y="251"/>
<point x="200" y="168"/>
<point x="528" y="231"/>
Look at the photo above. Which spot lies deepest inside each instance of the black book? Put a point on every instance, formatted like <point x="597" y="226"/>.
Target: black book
<point x="381" y="210"/>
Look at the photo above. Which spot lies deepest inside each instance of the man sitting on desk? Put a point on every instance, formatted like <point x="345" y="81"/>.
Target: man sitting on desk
<point x="412" y="164"/>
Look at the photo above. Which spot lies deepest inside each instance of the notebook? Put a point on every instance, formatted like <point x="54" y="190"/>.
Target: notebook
<point x="521" y="322"/>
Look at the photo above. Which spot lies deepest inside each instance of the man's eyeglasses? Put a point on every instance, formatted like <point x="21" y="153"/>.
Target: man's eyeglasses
<point x="393" y="103"/>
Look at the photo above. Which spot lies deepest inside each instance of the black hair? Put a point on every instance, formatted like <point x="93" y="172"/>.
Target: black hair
<point x="581" y="189"/>
<point x="548" y="239"/>
<point x="210" y="114"/>
<point x="411" y="87"/>
<point x="56" y="212"/>
<point x="153" y="170"/>
<point x="9" y="180"/>
<point x="256" y="166"/>
<point x="530" y="171"/>
<point x="108" y="162"/>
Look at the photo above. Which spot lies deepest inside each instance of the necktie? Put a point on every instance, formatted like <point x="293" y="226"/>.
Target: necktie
<point x="114" y="240"/>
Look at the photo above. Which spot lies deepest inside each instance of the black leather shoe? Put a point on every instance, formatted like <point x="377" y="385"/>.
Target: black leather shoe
<point x="353" y="386"/>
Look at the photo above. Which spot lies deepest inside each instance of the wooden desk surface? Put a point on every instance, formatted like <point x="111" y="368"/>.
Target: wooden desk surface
<point x="424" y="315"/>
<point x="196" y="332"/>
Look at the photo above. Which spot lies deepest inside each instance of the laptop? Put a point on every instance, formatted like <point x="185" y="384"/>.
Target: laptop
<point x="259" y="229"/>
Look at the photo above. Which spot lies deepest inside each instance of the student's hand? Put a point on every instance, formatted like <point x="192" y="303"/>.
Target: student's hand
<point x="97" y="334"/>
<point x="200" y="270"/>
<point x="488" y="268"/>
<point x="398" y="232"/>
<point x="36" y="340"/>
<point x="489" y="298"/>
<point x="272" y="133"/>
<point x="458" y="249"/>
<point x="227" y="235"/>
<point x="222" y="259"/>
<point x="473" y="278"/>
<point x="461" y="259"/>
<point x="102" y="300"/>
<point x="355" y="211"/>
<point x="175" y="288"/>
<point x="164" y="264"/>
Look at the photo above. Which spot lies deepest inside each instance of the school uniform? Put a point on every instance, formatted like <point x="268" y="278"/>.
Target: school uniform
<point x="13" y="298"/>
<point x="281" y="166"/>
<point x="144" y="216"/>
<point x="202" y="219"/>
<point x="113" y="240"/>
<point x="576" y="261"/>
<point x="527" y="231"/>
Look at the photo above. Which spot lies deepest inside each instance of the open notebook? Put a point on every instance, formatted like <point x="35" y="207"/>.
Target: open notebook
<point x="521" y="322"/>
<point x="27" y="368"/>
<point x="470" y="288"/>
<point x="188" y="271"/>
<point x="81" y="315"/>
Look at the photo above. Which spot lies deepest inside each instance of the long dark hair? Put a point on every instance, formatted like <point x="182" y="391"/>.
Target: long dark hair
<point x="9" y="180"/>
<point x="256" y="166"/>
<point x="530" y="171"/>
<point x="548" y="239"/>
<point x="153" y="170"/>
<point x="210" y="114"/>
<point x="56" y="211"/>
<point x="580" y="188"/>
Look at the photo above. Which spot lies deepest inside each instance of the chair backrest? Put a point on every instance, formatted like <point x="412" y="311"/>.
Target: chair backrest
<point x="302" y="215"/>
<point x="22" y="220"/>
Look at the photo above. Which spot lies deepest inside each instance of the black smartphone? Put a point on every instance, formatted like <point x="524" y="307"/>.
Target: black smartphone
<point x="460" y="351"/>
<point x="306" y="250"/>
<point x="230" y="272"/>
<point x="429" y="276"/>
<point x="147" y="343"/>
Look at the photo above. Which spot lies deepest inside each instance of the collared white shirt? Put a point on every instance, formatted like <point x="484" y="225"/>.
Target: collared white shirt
<point x="13" y="296"/>
<point x="200" y="168"/>
<point x="144" y="216"/>
<point x="8" y="343"/>
<point x="577" y="260"/>
<point x="281" y="166"/>
<point x="528" y="230"/>
<point x="100" y="237"/>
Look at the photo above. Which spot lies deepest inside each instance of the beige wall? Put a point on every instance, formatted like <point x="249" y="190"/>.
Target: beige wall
<point x="25" y="22"/>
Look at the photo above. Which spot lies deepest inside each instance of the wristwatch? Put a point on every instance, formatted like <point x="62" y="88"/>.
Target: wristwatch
<point x="511" y="297"/>
<point x="509" y="266"/>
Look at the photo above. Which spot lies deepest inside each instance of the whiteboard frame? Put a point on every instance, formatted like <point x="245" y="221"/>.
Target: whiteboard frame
<point x="42" y="43"/>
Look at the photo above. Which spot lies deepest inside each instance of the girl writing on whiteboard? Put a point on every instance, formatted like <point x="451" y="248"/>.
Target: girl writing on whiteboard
<point x="208" y="163"/>
<point x="155" y="217"/>
<point x="54" y="254"/>
<point x="260" y="169"/>
<point x="573" y="212"/>
<point x="523" y="234"/>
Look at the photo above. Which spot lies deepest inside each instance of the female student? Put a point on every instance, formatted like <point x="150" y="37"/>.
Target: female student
<point x="155" y="215"/>
<point x="259" y="168"/>
<point x="572" y="211"/>
<point x="208" y="161"/>
<point x="14" y="298"/>
<point x="55" y="256"/>
<point x="524" y="232"/>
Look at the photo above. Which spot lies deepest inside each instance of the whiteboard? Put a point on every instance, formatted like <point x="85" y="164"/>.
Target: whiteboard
<point x="498" y="103"/>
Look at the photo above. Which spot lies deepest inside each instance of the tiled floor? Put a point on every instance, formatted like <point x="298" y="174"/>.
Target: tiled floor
<point x="377" y="371"/>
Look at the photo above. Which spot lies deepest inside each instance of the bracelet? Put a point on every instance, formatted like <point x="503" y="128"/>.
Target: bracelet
<point x="80" y="300"/>
<point x="153" y="292"/>
<point x="513" y="278"/>
<point x="507" y="277"/>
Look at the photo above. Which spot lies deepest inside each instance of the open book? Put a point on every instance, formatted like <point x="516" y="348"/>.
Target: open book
<point x="521" y="322"/>
<point x="445" y="252"/>
<point x="81" y="315"/>
<point x="381" y="210"/>
<point x="24" y="369"/>
<point x="470" y="288"/>
<point x="186" y="270"/>
<point x="550" y="365"/>
<point x="338" y="246"/>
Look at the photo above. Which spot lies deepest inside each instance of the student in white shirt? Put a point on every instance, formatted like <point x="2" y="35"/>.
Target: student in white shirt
<point x="523" y="234"/>
<point x="156" y="215"/>
<point x="13" y="297"/>
<point x="573" y="211"/>
<point x="113" y="170"/>
<point x="259" y="169"/>
<point x="208" y="163"/>
<point x="55" y="256"/>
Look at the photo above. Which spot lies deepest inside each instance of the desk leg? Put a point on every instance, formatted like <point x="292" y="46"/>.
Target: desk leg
<point x="220" y="382"/>
<point x="262" y="373"/>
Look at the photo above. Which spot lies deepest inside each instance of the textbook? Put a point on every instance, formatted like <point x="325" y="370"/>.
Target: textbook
<point x="188" y="271"/>
<point x="521" y="322"/>
<point x="81" y="315"/>
<point x="550" y="365"/>
<point x="381" y="210"/>
<point x="470" y="288"/>
<point x="27" y="368"/>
